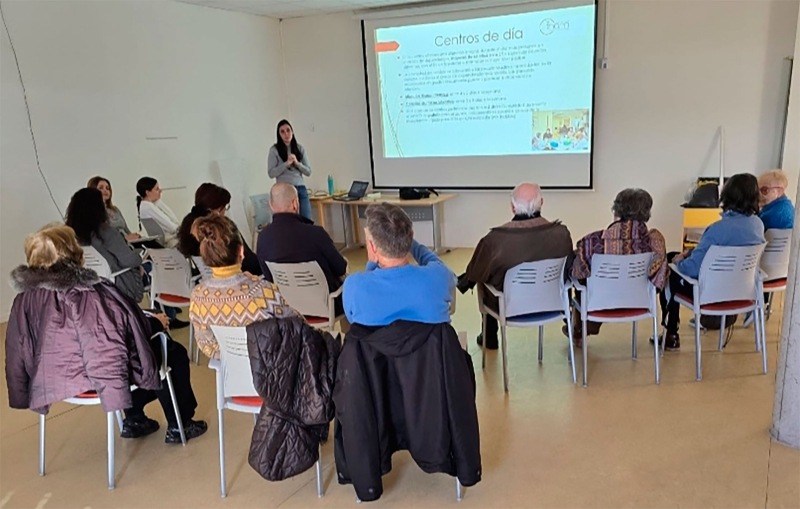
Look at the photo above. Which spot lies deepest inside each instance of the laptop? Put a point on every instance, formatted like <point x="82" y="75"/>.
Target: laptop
<point x="357" y="191"/>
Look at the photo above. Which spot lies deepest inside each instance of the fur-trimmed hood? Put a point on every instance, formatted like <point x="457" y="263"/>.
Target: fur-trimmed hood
<point x="60" y="277"/>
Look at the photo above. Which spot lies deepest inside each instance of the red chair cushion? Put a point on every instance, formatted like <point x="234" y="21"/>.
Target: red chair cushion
<point x="175" y="299"/>
<point x="618" y="313"/>
<point x="315" y="320"/>
<point x="778" y="283"/>
<point x="87" y="395"/>
<point x="717" y="306"/>
<point x="248" y="400"/>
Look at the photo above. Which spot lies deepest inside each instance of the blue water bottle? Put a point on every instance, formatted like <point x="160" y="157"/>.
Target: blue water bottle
<point x="330" y="185"/>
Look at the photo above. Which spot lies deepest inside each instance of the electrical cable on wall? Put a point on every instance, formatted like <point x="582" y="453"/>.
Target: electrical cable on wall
<point x="28" y="111"/>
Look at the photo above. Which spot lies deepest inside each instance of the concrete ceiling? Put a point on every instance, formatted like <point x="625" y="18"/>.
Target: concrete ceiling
<point x="298" y="8"/>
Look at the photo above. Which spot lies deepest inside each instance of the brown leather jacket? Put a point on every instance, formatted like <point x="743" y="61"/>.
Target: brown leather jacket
<point x="516" y="242"/>
<point x="70" y="332"/>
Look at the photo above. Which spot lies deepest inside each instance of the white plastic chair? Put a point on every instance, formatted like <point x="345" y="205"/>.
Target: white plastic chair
<point x="619" y="290"/>
<point x="775" y="263"/>
<point x="91" y="398"/>
<point x="235" y="389"/>
<point x="171" y="285"/>
<point x="205" y="270"/>
<point x="305" y="288"/>
<point x="92" y="259"/>
<point x="729" y="284"/>
<point x="153" y="229"/>
<point x="534" y="294"/>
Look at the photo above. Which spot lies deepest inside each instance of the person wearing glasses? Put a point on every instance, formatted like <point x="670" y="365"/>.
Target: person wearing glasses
<point x="211" y="199"/>
<point x="777" y="211"/>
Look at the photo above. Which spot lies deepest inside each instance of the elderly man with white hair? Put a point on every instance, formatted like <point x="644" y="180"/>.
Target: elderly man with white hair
<point x="528" y="237"/>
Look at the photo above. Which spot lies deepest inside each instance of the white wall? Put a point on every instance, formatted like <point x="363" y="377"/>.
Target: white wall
<point x="677" y="71"/>
<point x="791" y="149"/>
<point x="103" y="76"/>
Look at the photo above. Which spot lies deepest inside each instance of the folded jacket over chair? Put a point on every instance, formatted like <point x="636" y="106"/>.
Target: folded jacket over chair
<point x="407" y="386"/>
<point x="294" y="368"/>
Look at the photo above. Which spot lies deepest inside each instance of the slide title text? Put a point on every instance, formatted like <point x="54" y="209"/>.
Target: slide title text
<point x="512" y="34"/>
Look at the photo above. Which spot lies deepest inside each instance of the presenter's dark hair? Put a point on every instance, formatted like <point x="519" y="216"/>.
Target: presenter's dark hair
<point x="633" y="205"/>
<point x="740" y="194"/>
<point x="281" y="146"/>
<point x="86" y="213"/>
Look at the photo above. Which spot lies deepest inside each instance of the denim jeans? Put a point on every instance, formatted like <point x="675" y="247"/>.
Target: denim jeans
<point x="305" y="203"/>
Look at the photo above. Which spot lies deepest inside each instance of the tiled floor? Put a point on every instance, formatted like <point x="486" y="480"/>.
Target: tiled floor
<point x="621" y="442"/>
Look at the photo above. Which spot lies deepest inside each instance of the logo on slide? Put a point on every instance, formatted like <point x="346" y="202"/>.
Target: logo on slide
<point x="548" y="26"/>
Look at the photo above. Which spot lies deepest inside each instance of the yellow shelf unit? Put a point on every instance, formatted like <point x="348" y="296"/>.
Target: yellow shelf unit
<point x="695" y="221"/>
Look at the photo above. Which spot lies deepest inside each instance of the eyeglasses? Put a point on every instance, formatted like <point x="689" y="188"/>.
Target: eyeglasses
<point x="765" y="189"/>
<point x="227" y="207"/>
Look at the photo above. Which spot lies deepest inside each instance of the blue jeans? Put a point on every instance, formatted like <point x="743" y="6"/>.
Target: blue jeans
<point x="305" y="203"/>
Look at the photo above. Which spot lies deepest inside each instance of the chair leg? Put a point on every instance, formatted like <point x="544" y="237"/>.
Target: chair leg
<point x="763" y="333"/>
<point x="222" y="491"/>
<point x="193" y="345"/>
<point x="41" y="443"/>
<point x="483" y="342"/>
<point x="698" y="348"/>
<point x="721" y="332"/>
<point x="634" y="353"/>
<point x="656" y="349"/>
<point x="541" y="343"/>
<point x="111" y="437"/>
<point x="120" y="423"/>
<point x="320" y="493"/>
<point x="175" y="407"/>
<point x="459" y="491"/>
<point x="505" y="357"/>
<point x="255" y="419"/>
<point x="571" y="347"/>
<point x="584" y="348"/>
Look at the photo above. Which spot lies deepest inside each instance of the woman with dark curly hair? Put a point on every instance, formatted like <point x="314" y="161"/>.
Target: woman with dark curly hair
<point x="738" y="226"/>
<point x="211" y="199"/>
<point x="628" y="234"/>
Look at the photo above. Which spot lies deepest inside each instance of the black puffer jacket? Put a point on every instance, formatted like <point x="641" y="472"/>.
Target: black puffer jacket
<point x="411" y="386"/>
<point x="294" y="368"/>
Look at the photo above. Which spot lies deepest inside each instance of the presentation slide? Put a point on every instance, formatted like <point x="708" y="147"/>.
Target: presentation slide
<point x="524" y="78"/>
<point x="463" y="92"/>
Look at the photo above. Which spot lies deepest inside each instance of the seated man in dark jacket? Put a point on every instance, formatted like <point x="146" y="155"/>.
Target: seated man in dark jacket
<point x="292" y="238"/>
<point x="528" y="237"/>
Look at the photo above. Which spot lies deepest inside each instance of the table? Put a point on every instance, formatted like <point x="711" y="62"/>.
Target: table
<point x="426" y="209"/>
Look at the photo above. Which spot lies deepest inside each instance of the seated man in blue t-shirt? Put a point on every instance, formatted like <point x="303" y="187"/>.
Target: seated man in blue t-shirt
<point x="391" y="288"/>
<point x="777" y="211"/>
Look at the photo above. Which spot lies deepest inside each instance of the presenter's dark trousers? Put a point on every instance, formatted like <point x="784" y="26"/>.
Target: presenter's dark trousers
<point x="304" y="202"/>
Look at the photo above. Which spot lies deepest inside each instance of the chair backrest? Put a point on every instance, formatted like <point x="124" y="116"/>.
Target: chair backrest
<point x="205" y="270"/>
<point x="152" y="228"/>
<point x="729" y="273"/>
<point x="775" y="260"/>
<point x="534" y="287"/>
<point x="303" y="285"/>
<point x="237" y="377"/>
<point x="171" y="273"/>
<point x="92" y="259"/>
<point x="619" y="282"/>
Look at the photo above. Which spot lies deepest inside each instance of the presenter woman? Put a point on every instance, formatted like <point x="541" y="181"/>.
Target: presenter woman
<point x="287" y="162"/>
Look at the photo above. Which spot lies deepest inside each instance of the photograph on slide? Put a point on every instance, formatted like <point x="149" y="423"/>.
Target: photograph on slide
<point x="561" y="131"/>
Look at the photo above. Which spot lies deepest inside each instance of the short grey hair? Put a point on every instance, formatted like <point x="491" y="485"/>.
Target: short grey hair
<point x="633" y="205"/>
<point x="391" y="229"/>
<point x="527" y="199"/>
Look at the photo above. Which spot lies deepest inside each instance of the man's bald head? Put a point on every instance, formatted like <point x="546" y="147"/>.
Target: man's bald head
<point x="527" y="199"/>
<point x="283" y="198"/>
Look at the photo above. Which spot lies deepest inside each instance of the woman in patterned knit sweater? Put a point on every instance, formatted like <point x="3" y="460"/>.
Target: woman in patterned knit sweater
<point x="231" y="298"/>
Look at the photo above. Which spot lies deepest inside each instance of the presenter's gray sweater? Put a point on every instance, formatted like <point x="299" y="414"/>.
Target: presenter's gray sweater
<point x="281" y="172"/>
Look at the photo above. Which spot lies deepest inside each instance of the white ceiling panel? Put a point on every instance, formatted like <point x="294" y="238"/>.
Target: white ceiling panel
<point x="297" y="8"/>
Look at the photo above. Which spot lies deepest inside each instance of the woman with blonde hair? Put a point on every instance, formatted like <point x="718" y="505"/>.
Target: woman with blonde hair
<point x="70" y="332"/>
<point x="240" y="297"/>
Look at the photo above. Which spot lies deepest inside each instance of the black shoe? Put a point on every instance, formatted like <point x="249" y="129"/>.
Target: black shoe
<point x="177" y="324"/>
<point x="672" y="342"/>
<point x="191" y="429"/>
<point x="490" y="345"/>
<point x="138" y="428"/>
